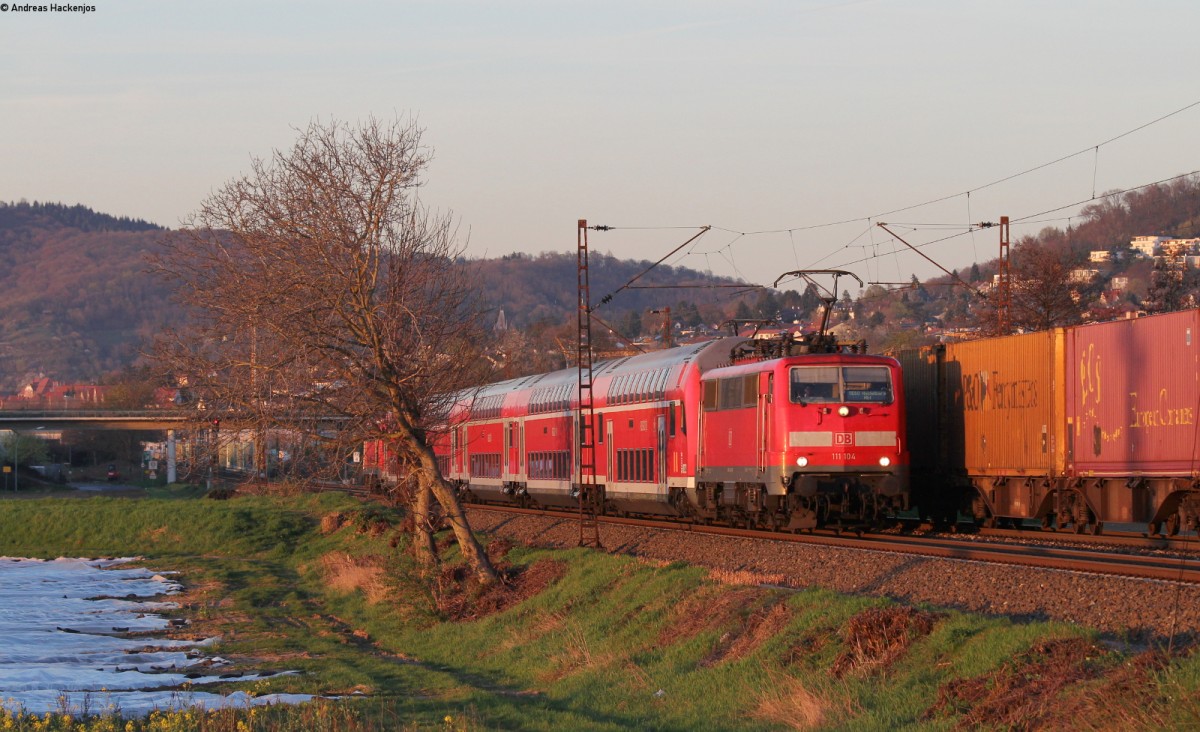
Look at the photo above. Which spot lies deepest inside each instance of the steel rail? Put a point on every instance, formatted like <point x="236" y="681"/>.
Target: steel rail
<point x="1168" y="569"/>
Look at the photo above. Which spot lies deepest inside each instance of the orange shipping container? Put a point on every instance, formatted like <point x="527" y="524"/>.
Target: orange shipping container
<point x="1008" y="394"/>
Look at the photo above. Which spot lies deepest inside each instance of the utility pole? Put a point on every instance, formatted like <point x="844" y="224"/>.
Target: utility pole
<point x="1004" y="285"/>
<point x="666" y="313"/>
<point x="585" y="415"/>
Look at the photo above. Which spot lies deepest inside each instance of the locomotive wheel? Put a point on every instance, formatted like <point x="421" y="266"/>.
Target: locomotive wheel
<point x="1152" y="528"/>
<point x="1173" y="524"/>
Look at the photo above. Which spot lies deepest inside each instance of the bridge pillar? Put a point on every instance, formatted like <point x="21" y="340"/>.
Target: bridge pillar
<point x="170" y="457"/>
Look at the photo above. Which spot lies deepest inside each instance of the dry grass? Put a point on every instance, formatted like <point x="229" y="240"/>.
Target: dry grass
<point x="576" y="655"/>
<point x="762" y="624"/>
<point x="1027" y="692"/>
<point x="878" y="636"/>
<point x="331" y="522"/>
<point x="1093" y="708"/>
<point x="460" y="600"/>
<point x="710" y="607"/>
<point x="161" y="534"/>
<point x="788" y="702"/>
<point x="743" y="577"/>
<point x="345" y="573"/>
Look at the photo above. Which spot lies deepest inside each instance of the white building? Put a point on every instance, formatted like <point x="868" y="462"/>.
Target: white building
<point x="1147" y="246"/>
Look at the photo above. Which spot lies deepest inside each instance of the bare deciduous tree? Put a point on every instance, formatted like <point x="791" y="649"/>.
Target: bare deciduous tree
<point x="332" y="304"/>
<point x="1043" y="293"/>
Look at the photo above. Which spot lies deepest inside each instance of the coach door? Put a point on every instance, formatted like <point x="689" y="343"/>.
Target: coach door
<point x="510" y="450"/>
<point x="611" y="465"/>
<point x="662" y="449"/>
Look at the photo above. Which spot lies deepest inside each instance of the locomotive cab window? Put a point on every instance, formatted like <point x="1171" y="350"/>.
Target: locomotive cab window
<point x="815" y="385"/>
<point x="870" y="384"/>
<point x="833" y="384"/>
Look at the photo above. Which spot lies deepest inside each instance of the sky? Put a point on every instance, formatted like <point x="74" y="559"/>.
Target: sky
<point x="766" y="120"/>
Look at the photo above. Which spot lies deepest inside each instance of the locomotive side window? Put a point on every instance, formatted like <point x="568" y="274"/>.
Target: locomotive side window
<point x="710" y="396"/>
<point x="749" y="390"/>
<point x="867" y="384"/>
<point x="731" y="393"/>
<point x="815" y="385"/>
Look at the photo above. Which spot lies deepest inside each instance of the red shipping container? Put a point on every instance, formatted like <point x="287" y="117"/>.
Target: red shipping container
<point x="1133" y="393"/>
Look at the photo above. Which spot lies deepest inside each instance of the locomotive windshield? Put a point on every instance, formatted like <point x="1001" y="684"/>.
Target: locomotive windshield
<point x="841" y="384"/>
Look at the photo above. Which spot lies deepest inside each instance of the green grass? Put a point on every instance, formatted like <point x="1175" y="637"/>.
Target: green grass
<point x="614" y="644"/>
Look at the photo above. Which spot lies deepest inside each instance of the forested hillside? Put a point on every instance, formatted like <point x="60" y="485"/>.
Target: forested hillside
<point x="77" y="300"/>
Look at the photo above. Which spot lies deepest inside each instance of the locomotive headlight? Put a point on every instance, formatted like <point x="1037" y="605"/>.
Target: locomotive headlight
<point x="843" y="411"/>
<point x="802" y="461"/>
<point x="885" y="461"/>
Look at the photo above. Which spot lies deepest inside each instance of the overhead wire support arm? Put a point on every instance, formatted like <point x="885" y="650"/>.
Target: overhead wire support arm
<point x="608" y="298"/>
<point x="929" y="259"/>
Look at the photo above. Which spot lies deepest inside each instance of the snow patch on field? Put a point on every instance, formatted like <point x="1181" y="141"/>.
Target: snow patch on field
<point x="81" y="635"/>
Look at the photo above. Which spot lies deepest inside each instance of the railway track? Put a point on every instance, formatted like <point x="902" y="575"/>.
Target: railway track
<point x="973" y="548"/>
<point x="1055" y="550"/>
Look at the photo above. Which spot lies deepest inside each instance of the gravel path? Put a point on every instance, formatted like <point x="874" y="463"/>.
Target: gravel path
<point x="1143" y="609"/>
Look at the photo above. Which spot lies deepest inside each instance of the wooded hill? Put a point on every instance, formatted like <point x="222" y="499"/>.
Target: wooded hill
<point x="74" y="297"/>
<point x="77" y="302"/>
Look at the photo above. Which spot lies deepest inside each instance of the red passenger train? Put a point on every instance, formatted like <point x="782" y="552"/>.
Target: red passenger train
<point x="787" y="433"/>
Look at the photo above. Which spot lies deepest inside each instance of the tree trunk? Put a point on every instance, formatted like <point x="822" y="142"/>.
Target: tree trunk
<point x="418" y="454"/>
<point x="471" y="549"/>
<point x="423" y="546"/>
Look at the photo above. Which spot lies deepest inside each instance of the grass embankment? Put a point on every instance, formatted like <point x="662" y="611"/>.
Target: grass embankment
<point x="579" y="639"/>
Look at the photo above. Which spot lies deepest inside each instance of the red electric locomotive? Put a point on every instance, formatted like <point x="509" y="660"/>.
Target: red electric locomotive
<point x="809" y="437"/>
<point x="784" y="433"/>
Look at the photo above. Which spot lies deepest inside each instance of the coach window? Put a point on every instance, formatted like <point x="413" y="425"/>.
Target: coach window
<point x="660" y="388"/>
<point x="639" y="389"/>
<point x="600" y="427"/>
<point x="815" y="385"/>
<point x="671" y="419"/>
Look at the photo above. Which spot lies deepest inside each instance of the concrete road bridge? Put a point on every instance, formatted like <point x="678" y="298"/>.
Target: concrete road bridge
<point x="100" y="419"/>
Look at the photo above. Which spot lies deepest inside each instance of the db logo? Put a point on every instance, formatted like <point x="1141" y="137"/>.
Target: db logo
<point x="843" y="438"/>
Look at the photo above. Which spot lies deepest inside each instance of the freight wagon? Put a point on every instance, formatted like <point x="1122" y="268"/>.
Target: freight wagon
<point x="1071" y="427"/>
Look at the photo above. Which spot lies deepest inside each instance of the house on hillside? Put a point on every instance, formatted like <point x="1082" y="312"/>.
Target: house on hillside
<point x="1147" y="246"/>
<point x="45" y="393"/>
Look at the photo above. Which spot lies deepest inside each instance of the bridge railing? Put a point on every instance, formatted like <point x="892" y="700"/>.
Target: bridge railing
<point x="41" y="413"/>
